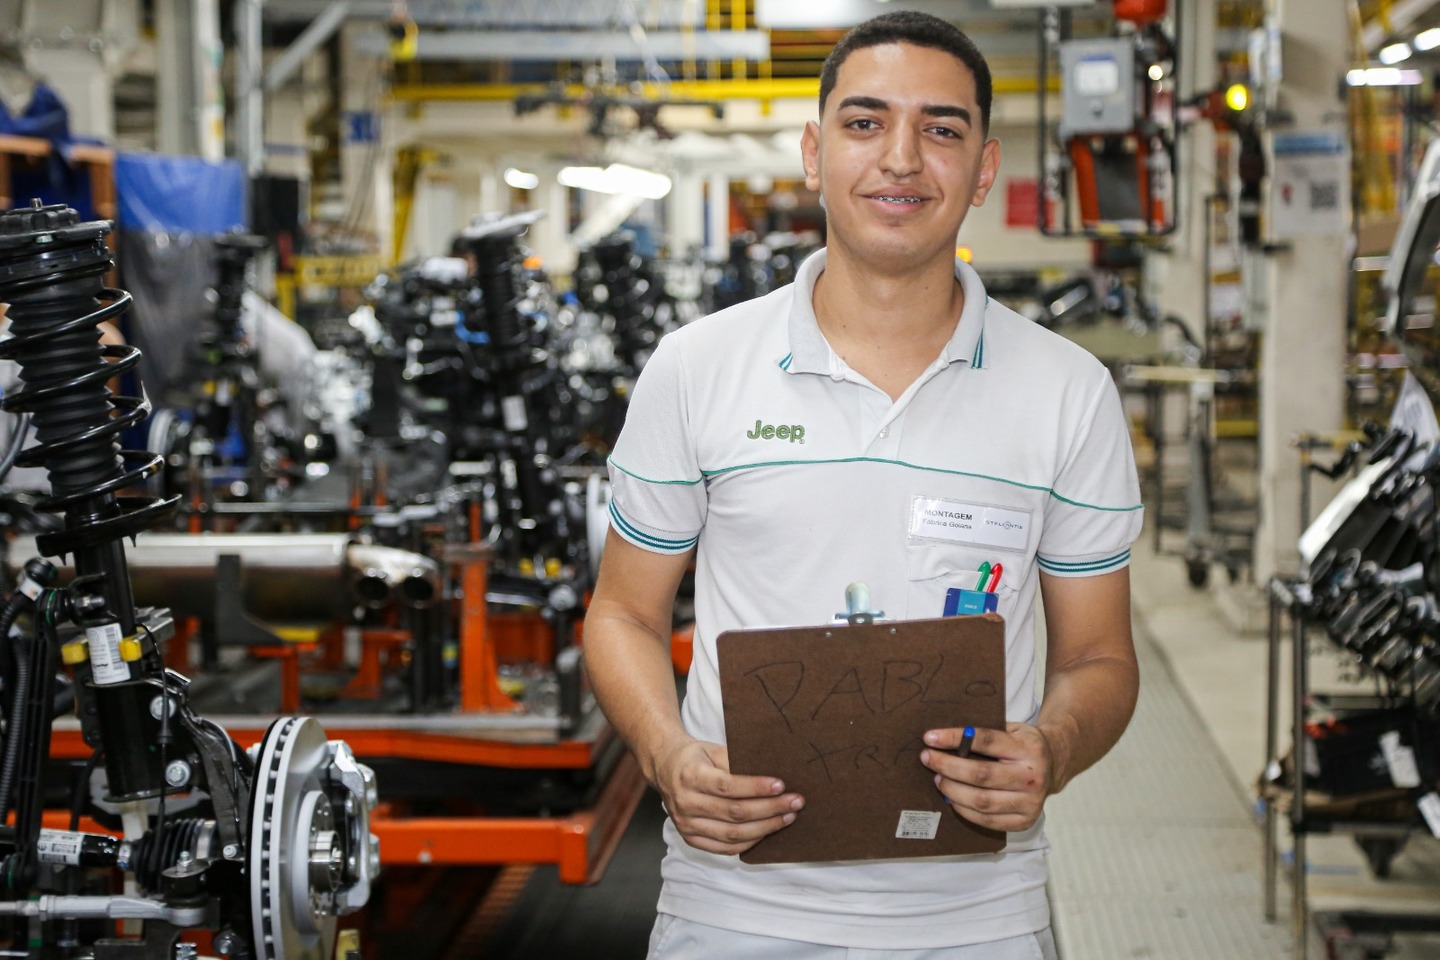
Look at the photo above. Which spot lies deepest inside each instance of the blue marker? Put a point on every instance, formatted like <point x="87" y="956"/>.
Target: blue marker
<point x="967" y="739"/>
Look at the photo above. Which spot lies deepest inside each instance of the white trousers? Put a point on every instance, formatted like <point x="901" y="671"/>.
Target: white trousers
<point x="677" y="939"/>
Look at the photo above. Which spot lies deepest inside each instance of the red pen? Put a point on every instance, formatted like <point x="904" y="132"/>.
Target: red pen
<point x="995" y="572"/>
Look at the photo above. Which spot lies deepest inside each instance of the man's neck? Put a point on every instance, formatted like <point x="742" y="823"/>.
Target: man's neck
<point x="887" y="325"/>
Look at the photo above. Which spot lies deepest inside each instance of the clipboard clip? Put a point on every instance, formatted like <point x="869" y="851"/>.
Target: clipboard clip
<point x="857" y="606"/>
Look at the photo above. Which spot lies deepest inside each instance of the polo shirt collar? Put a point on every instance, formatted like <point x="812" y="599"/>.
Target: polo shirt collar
<point x="810" y="353"/>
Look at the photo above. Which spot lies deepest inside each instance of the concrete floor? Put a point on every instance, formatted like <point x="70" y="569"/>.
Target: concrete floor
<point x="1219" y="675"/>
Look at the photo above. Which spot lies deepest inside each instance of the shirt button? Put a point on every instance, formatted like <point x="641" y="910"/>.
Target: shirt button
<point x="837" y="376"/>
<point x="884" y="432"/>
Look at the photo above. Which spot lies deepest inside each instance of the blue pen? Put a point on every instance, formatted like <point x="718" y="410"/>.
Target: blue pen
<point x="967" y="738"/>
<point x="984" y="575"/>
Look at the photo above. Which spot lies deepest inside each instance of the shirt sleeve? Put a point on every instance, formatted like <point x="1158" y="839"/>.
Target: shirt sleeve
<point x="1094" y="512"/>
<point x="658" y="496"/>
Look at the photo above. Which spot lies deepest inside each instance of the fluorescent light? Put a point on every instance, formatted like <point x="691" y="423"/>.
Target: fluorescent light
<point x="1383" y="77"/>
<point x="1395" y="53"/>
<point x="617" y="178"/>
<point x="1427" y="39"/>
<point x="521" y="180"/>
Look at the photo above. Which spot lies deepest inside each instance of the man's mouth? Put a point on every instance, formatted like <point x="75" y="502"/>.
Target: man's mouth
<point x="890" y="199"/>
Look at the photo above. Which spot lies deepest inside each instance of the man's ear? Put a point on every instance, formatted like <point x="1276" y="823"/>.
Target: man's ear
<point x="810" y="154"/>
<point x="989" y="170"/>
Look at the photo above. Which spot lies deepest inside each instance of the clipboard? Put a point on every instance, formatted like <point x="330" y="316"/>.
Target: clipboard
<point x="838" y="713"/>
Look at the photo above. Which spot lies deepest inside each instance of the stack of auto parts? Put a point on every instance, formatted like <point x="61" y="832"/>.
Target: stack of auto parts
<point x="266" y="849"/>
<point x="221" y="446"/>
<point x="1374" y="578"/>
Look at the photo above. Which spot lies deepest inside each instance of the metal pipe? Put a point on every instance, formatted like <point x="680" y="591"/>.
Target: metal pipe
<point x="285" y="576"/>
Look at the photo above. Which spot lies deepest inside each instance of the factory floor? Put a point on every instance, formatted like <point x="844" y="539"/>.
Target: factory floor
<point x="1157" y="852"/>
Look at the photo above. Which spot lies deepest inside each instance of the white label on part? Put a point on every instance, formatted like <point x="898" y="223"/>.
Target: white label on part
<point x="58" y="846"/>
<point x="998" y="527"/>
<point x="512" y="410"/>
<point x="917" y="825"/>
<point x="29" y="587"/>
<point x="1430" y="809"/>
<point x="105" y="662"/>
<point x="1404" y="771"/>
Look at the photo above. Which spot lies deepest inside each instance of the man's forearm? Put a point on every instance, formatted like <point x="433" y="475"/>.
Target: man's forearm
<point x="1086" y="708"/>
<point x="633" y="679"/>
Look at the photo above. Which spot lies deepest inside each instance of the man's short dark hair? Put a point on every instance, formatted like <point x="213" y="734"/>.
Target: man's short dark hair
<point x="916" y="29"/>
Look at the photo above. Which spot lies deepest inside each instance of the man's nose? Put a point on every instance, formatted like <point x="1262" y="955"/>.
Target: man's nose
<point x="902" y="152"/>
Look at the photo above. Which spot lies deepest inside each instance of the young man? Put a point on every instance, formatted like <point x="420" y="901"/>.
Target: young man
<point x="793" y="444"/>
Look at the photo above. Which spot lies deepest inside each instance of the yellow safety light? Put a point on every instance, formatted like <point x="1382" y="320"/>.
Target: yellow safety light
<point x="1237" y="97"/>
<point x="404" y="40"/>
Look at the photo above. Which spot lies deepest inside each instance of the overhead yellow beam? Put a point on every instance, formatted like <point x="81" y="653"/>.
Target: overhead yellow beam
<point x="775" y="88"/>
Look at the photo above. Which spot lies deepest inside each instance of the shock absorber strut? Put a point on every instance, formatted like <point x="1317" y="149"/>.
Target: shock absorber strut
<point x="498" y="258"/>
<point x="52" y="268"/>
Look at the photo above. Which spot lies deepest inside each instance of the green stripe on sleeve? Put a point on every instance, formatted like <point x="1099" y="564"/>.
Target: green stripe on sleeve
<point x="629" y="530"/>
<point x="1082" y="566"/>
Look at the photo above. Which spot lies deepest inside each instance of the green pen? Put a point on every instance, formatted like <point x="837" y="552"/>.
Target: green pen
<point x="984" y="575"/>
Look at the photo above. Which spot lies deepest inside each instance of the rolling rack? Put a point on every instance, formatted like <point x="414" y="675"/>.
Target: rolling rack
<point x="1351" y="934"/>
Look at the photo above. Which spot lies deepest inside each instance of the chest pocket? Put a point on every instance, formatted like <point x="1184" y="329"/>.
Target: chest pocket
<point x="933" y="568"/>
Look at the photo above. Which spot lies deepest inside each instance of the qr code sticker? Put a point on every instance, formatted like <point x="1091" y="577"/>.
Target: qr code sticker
<point x="1325" y="196"/>
<point x="918" y="825"/>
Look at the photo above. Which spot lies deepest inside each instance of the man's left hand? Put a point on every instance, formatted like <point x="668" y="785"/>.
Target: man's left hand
<point x="1003" y="790"/>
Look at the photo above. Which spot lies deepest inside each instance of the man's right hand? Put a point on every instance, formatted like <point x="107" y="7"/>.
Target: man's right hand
<point x="713" y="809"/>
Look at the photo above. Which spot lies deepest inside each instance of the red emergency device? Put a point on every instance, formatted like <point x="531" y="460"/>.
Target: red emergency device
<point x="1140" y="11"/>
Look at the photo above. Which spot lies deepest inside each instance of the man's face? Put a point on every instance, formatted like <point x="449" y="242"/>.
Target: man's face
<point x="899" y="155"/>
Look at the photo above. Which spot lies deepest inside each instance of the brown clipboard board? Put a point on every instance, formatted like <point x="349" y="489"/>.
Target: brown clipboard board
<point x="838" y="714"/>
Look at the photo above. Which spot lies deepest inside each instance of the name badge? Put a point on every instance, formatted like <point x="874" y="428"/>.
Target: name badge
<point x="998" y="527"/>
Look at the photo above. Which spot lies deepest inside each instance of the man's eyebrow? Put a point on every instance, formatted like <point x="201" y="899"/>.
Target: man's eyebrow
<point x="864" y="103"/>
<point x="930" y="109"/>
<point x="945" y="110"/>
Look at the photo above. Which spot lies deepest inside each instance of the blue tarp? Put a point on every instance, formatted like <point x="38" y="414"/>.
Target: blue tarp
<point x="165" y="194"/>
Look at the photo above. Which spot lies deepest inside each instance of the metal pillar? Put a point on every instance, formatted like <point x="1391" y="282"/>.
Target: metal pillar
<point x="717" y="227"/>
<point x="685" y="213"/>
<point x="190" y="110"/>
<point x="1305" y="281"/>
<point x="1176" y="275"/>
<point x="249" y="90"/>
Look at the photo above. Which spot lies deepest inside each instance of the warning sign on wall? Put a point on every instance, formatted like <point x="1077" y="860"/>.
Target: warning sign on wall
<point x="1309" y="185"/>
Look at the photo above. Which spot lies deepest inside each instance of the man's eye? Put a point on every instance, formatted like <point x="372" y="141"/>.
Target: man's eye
<point x="945" y="132"/>
<point x="862" y="124"/>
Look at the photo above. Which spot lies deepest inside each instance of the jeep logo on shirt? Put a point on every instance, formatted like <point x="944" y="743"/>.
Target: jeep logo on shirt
<point x="793" y="432"/>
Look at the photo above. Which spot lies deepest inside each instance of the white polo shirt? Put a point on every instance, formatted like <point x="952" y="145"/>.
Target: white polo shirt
<point x="796" y="476"/>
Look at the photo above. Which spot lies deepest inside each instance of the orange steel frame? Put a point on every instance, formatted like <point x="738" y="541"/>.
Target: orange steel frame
<point x="580" y="844"/>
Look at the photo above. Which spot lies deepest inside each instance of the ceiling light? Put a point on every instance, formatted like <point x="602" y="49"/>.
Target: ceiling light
<point x="617" y="178"/>
<point x="1383" y="77"/>
<point x="1395" y="53"/>
<point x="1157" y="72"/>
<point x="1427" y="39"/>
<point x="521" y="180"/>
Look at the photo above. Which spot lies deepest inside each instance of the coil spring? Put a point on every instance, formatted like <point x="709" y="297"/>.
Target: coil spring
<point x="51" y="270"/>
<point x="149" y="857"/>
<point x="495" y="265"/>
<point x="630" y="302"/>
